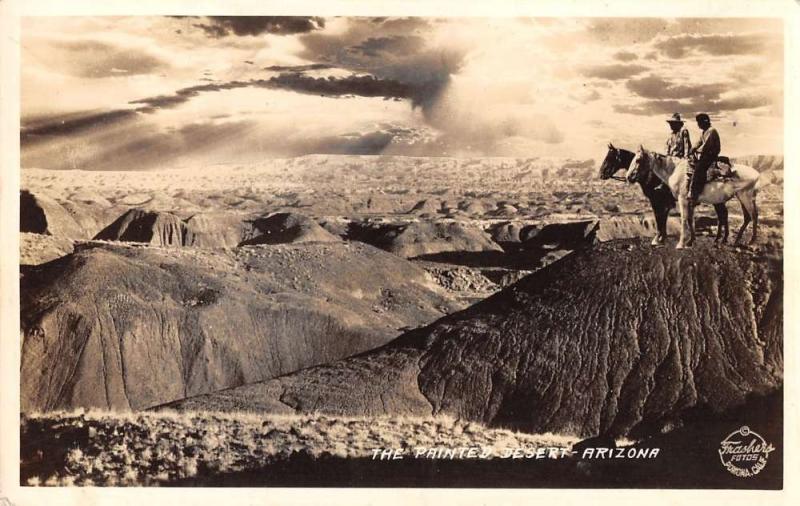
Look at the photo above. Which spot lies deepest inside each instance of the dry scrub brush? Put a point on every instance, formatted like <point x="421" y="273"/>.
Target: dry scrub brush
<point x="110" y="449"/>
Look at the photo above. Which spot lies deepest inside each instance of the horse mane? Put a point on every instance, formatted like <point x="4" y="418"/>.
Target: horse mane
<point x="653" y="153"/>
<point x="657" y="158"/>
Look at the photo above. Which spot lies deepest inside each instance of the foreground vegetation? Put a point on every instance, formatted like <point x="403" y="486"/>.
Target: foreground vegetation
<point x="108" y="449"/>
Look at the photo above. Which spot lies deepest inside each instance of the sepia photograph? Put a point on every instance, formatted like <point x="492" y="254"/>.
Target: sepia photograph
<point x="481" y="252"/>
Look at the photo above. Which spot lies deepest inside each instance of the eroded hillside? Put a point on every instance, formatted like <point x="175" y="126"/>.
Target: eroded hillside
<point x="618" y="339"/>
<point x="127" y="327"/>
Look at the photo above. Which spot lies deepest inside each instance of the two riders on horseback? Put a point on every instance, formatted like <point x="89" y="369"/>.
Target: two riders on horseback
<point x="701" y="156"/>
<point x="687" y="175"/>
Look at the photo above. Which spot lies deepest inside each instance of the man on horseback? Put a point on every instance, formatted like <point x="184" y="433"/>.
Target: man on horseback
<point x="703" y="155"/>
<point x="678" y="143"/>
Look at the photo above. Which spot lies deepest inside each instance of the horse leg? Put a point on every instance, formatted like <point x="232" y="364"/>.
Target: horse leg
<point x="745" y="202"/>
<point x="659" y="213"/>
<point x="683" y="206"/>
<point x="661" y="219"/>
<point x="690" y="223"/>
<point x="722" y="223"/>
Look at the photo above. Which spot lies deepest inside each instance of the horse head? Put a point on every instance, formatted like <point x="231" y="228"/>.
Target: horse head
<point x="615" y="160"/>
<point x="609" y="165"/>
<point x="638" y="169"/>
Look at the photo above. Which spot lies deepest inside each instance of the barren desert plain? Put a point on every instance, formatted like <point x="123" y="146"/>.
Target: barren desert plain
<point x="275" y="324"/>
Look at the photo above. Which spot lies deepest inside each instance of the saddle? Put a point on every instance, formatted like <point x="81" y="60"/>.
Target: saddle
<point x="722" y="168"/>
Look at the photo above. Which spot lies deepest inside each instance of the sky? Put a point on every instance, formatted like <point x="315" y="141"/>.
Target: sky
<point x="141" y="93"/>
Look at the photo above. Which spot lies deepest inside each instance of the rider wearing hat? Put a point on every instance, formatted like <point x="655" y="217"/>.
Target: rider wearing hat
<point x="704" y="153"/>
<point x="678" y="143"/>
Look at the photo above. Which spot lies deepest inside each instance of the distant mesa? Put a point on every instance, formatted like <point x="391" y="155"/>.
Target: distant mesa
<point x="117" y="326"/>
<point x="40" y="214"/>
<point x="288" y="228"/>
<point x="620" y="339"/>
<point x="150" y="227"/>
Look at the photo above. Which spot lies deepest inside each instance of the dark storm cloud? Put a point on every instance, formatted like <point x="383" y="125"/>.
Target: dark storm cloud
<point x="613" y="72"/>
<point x="223" y="26"/>
<point x="79" y="123"/>
<point x="95" y="59"/>
<point x="427" y="74"/>
<point x="299" y="68"/>
<point x="392" y="49"/>
<point x="160" y="102"/>
<point x="657" y="88"/>
<point x="397" y="62"/>
<point x="679" y="46"/>
<point x="184" y="94"/>
<point x="56" y="126"/>
<point x="421" y="80"/>
<point x="365" y="86"/>
<point x="625" y="56"/>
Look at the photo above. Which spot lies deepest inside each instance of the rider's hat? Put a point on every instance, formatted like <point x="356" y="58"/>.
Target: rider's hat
<point x="675" y="118"/>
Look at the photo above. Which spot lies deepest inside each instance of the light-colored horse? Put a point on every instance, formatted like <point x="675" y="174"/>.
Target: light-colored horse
<point x="673" y="171"/>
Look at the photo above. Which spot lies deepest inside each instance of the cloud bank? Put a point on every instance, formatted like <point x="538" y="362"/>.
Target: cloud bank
<point x="98" y="91"/>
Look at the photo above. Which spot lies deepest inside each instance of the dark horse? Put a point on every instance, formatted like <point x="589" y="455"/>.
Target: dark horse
<point x="659" y="195"/>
